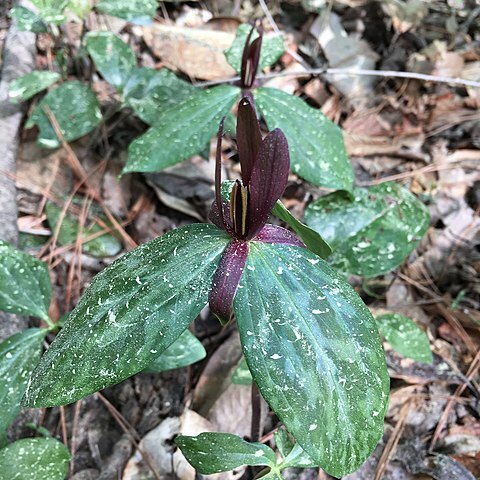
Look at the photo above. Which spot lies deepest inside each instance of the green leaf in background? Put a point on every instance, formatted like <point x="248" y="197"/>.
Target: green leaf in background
<point x="34" y="459"/>
<point x="30" y="84"/>
<point x="140" y="12"/>
<point x="25" y="284"/>
<point x="313" y="349"/>
<point x="298" y="458"/>
<point x="312" y="239"/>
<point x="242" y="375"/>
<point x="51" y="11"/>
<point x="74" y="106"/>
<point x="187" y="349"/>
<point x="150" y="91"/>
<point x="113" y="58"/>
<point x="405" y="336"/>
<point x="181" y="131"/>
<point x="272" y="48"/>
<point x="372" y="234"/>
<point x="19" y="354"/>
<point x="26" y="20"/>
<point x="105" y="245"/>
<point x="132" y="311"/>
<point x="212" y="453"/>
<point x="317" y="151"/>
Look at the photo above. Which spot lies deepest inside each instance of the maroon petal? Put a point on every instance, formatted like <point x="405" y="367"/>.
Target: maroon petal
<point x="249" y="138"/>
<point x="227" y="277"/>
<point x="250" y="59"/>
<point x="218" y="178"/>
<point x="269" y="179"/>
<point x="273" y="234"/>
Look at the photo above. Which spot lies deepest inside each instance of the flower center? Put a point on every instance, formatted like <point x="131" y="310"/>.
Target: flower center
<point x="238" y="208"/>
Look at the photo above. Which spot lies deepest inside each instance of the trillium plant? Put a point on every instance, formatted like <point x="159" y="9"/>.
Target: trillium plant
<point x="311" y="345"/>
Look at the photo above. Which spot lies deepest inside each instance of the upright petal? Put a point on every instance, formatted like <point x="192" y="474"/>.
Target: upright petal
<point x="227" y="277"/>
<point x="218" y="214"/>
<point x="249" y="137"/>
<point x="250" y="58"/>
<point x="268" y="180"/>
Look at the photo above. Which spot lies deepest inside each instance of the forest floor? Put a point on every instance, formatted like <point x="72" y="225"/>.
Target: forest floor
<point x="424" y="135"/>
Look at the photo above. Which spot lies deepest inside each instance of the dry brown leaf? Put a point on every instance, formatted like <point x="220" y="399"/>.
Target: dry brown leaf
<point x="196" y="52"/>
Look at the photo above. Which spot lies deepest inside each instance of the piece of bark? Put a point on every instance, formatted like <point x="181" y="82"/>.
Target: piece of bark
<point x="18" y="59"/>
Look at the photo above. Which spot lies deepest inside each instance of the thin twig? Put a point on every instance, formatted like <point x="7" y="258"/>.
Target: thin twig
<point x="353" y="72"/>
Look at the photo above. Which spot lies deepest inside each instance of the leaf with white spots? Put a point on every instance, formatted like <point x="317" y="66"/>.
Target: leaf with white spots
<point x="25" y="284"/>
<point x="317" y="151"/>
<point x="272" y="48"/>
<point x="187" y="349"/>
<point x="181" y="131"/>
<point x="132" y="312"/>
<point x="30" y="84"/>
<point x="314" y="351"/>
<point x="113" y="58"/>
<point x="372" y="234"/>
<point x="34" y="459"/>
<point x="19" y="354"/>
<point x="405" y="336"/>
<point x="212" y="453"/>
<point x="74" y="106"/>
<point x="312" y="239"/>
<point x="139" y="12"/>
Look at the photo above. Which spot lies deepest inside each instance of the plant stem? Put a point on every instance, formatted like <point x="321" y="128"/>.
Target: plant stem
<point x="256" y="428"/>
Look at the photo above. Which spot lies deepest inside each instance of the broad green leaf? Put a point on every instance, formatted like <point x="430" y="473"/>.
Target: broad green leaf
<point x="34" y="459"/>
<point x="298" y="458"/>
<point x="132" y="312"/>
<point x="312" y="239"/>
<point x="51" y="11"/>
<point x="75" y="108"/>
<point x="140" y="12"/>
<point x="81" y="8"/>
<point x="114" y="59"/>
<point x="149" y="92"/>
<point x="272" y="48"/>
<point x="30" y="84"/>
<point x="313" y="349"/>
<point x="187" y="349"/>
<point x="373" y="233"/>
<point x="212" y="453"/>
<point x="242" y="375"/>
<point x="181" y="131"/>
<point x="284" y="442"/>
<point x="25" y="284"/>
<point x="26" y="20"/>
<point x="105" y="245"/>
<point x="317" y="151"/>
<point x="405" y="336"/>
<point x="19" y="355"/>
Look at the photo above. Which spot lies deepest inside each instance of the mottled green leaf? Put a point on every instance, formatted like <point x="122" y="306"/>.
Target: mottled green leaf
<point x="105" y="245"/>
<point x="187" y="349"/>
<point x="30" y="84"/>
<point x="26" y="20"/>
<point x="405" y="337"/>
<point x="25" y="284"/>
<point x="150" y="91"/>
<point x="34" y="459"/>
<point x="75" y="108"/>
<point x="242" y="375"/>
<point x="313" y="349"/>
<point x="19" y="354"/>
<point x="298" y="458"/>
<point x="372" y="234"/>
<point x="181" y="131"/>
<point x="283" y="441"/>
<point x="132" y="311"/>
<point x="212" y="453"/>
<point x="272" y="48"/>
<point x="113" y="58"/>
<point x="51" y="11"/>
<point x="312" y="239"/>
<point x="317" y="151"/>
<point x="140" y="12"/>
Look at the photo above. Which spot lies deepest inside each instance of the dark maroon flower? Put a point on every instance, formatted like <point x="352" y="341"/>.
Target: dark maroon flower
<point x="250" y="58"/>
<point x="265" y="165"/>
